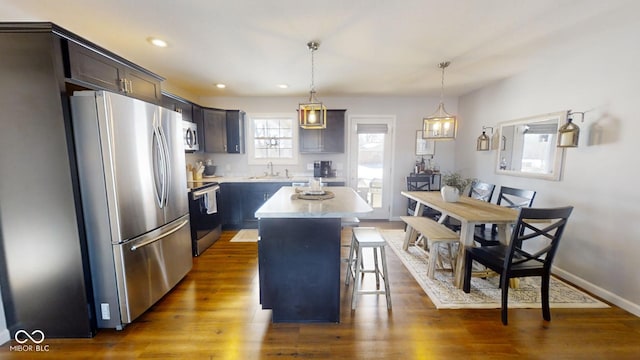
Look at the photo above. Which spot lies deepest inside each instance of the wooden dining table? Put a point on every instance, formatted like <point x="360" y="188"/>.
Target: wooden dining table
<point x="470" y="212"/>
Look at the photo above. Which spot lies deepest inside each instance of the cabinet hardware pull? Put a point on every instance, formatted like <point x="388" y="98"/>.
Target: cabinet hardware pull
<point x="130" y="87"/>
<point x="123" y="85"/>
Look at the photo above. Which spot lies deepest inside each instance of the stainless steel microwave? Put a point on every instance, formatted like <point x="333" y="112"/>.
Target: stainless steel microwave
<point x="190" y="134"/>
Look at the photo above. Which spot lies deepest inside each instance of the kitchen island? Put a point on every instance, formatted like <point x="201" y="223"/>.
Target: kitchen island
<point x="299" y="253"/>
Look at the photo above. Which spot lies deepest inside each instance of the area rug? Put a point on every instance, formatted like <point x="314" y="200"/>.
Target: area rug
<point x="246" y="235"/>
<point x="485" y="293"/>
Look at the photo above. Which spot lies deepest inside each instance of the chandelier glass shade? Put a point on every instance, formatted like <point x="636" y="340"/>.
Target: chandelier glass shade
<point x="440" y="125"/>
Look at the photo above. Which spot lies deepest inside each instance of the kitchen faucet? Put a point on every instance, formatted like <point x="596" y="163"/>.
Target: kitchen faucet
<point x="270" y="167"/>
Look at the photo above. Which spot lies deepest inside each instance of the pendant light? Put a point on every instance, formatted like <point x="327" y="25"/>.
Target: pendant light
<point x="312" y="114"/>
<point x="440" y="125"/>
<point x="569" y="133"/>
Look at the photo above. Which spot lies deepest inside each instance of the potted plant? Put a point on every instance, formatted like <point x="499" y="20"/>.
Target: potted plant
<point x="454" y="185"/>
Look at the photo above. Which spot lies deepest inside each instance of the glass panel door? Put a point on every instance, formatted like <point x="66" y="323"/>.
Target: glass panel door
<point x="371" y="163"/>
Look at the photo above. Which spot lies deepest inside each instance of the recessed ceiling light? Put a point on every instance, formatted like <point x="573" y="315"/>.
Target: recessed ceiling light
<point x="283" y="86"/>
<point x="157" y="42"/>
<point x="221" y="86"/>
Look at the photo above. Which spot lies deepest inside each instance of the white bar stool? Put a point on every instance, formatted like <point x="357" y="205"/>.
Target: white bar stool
<point x="367" y="237"/>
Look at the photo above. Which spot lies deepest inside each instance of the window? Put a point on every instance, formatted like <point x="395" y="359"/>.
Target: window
<point x="273" y="139"/>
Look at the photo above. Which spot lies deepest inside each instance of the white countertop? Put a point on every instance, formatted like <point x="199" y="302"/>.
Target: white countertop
<point x="346" y="203"/>
<point x="261" y="179"/>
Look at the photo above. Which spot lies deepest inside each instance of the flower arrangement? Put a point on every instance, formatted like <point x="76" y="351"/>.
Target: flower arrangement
<point x="456" y="180"/>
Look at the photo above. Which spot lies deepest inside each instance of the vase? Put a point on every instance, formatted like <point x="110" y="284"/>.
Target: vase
<point x="450" y="194"/>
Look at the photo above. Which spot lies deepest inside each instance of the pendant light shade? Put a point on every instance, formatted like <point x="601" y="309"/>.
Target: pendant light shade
<point x="569" y="133"/>
<point x="483" y="142"/>
<point x="312" y="114"/>
<point x="440" y="125"/>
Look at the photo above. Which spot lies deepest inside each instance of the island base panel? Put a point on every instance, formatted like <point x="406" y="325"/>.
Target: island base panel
<point x="299" y="264"/>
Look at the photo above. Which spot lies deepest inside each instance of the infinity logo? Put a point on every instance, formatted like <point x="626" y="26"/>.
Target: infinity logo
<point x="29" y="337"/>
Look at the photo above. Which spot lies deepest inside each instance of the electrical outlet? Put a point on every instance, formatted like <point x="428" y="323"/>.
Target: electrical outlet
<point x="310" y="166"/>
<point x="106" y="313"/>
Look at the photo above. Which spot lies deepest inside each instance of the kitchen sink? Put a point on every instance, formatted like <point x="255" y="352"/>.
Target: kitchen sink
<point x="269" y="177"/>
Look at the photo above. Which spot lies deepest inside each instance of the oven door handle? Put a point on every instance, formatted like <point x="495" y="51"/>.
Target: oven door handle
<point x="198" y="193"/>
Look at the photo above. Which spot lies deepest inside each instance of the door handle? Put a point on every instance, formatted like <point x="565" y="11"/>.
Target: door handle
<point x="157" y="238"/>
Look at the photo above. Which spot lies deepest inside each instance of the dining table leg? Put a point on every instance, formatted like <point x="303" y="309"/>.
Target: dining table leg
<point x="466" y="239"/>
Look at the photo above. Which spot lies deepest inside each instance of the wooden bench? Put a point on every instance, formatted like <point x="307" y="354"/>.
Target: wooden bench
<point x="435" y="235"/>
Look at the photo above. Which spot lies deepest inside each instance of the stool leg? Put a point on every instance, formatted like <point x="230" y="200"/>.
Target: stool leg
<point x="350" y="261"/>
<point x="357" y="283"/>
<point x="376" y="268"/>
<point x="385" y="276"/>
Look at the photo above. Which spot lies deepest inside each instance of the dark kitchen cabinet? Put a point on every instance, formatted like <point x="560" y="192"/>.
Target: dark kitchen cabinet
<point x="97" y="69"/>
<point x="231" y="205"/>
<point x="235" y="131"/>
<point x="329" y="140"/>
<point x="198" y="119"/>
<point x="215" y="131"/>
<point x="254" y="195"/>
<point x="223" y="131"/>
<point x="239" y="202"/>
<point x="45" y="280"/>
<point x="176" y="103"/>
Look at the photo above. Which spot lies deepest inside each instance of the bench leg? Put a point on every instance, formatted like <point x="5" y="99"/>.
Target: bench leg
<point x="385" y="277"/>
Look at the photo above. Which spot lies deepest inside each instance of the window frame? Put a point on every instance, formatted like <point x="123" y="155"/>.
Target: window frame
<point x="250" y="143"/>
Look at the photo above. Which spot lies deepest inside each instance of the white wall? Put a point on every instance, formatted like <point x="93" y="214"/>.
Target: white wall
<point x="408" y="111"/>
<point x="598" y="73"/>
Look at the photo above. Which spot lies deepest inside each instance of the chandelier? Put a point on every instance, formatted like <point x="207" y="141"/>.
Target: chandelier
<point x="440" y="125"/>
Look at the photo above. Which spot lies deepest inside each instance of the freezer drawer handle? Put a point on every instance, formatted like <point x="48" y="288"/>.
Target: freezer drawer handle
<point x="152" y="240"/>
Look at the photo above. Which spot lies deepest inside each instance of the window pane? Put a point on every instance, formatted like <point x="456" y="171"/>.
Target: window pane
<point x="271" y="136"/>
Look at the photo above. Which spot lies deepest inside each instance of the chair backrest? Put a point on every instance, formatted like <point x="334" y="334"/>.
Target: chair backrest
<point x="418" y="183"/>
<point x="515" y="198"/>
<point x="481" y="191"/>
<point x="537" y="223"/>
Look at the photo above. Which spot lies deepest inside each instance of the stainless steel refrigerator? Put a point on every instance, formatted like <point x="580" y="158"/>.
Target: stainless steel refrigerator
<point x="133" y="187"/>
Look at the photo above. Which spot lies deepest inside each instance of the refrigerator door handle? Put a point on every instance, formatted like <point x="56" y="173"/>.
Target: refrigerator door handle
<point x="160" y="237"/>
<point x="167" y="166"/>
<point x="159" y="170"/>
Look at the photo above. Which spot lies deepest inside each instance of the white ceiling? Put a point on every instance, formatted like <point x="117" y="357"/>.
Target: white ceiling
<point x="368" y="47"/>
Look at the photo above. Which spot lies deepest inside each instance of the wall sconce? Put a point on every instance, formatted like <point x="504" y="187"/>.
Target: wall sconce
<point x="569" y="133"/>
<point x="484" y="141"/>
<point x="440" y="125"/>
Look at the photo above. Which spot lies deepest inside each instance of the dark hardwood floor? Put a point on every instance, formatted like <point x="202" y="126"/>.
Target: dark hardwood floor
<point x="214" y="314"/>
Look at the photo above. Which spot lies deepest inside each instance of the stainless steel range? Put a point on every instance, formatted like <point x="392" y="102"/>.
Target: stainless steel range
<point x="206" y="222"/>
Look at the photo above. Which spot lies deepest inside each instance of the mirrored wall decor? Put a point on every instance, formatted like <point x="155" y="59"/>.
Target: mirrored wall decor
<point x="528" y="147"/>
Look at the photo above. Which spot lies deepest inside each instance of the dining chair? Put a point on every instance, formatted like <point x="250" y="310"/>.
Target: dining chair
<point x="516" y="259"/>
<point x="419" y="183"/>
<point x="508" y="197"/>
<point x="478" y="190"/>
<point x="481" y="191"/>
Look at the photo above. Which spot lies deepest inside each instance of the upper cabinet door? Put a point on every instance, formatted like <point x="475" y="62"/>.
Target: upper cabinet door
<point x="329" y="140"/>
<point x="88" y="66"/>
<point x="235" y="131"/>
<point x="93" y="68"/>
<point x="177" y="104"/>
<point x="215" y="131"/>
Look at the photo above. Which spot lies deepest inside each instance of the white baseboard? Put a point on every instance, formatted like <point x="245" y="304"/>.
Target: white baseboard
<point x="4" y="336"/>
<point x="598" y="291"/>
